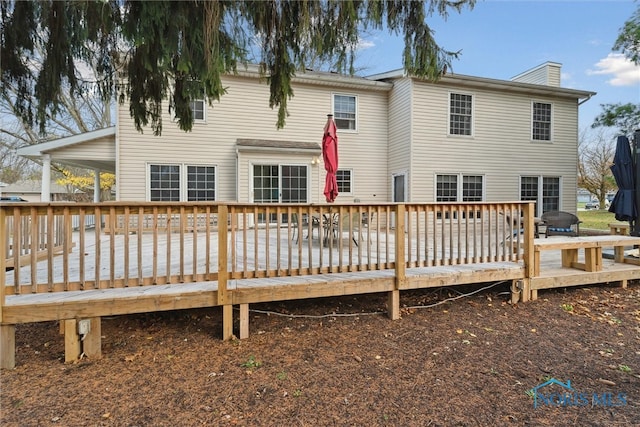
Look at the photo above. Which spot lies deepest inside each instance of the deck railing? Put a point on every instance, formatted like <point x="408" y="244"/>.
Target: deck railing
<point x="148" y="243"/>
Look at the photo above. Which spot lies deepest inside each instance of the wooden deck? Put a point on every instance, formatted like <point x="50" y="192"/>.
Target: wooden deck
<point x="155" y="257"/>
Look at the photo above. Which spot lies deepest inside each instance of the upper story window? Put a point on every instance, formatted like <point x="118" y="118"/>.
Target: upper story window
<point x="198" y="109"/>
<point x="345" y="112"/>
<point x="541" y="122"/>
<point x="343" y="176"/>
<point x="460" y="114"/>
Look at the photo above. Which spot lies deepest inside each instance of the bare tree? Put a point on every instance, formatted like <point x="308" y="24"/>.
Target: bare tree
<point x="595" y="156"/>
<point x="77" y="112"/>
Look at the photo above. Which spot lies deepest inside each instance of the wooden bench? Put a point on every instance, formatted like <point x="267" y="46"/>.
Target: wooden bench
<point x="619" y="229"/>
<point x="592" y="246"/>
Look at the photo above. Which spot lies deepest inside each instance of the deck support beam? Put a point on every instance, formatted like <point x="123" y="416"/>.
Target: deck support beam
<point x="244" y="321"/>
<point x="227" y="322"/>
<point x="72" y="347"/>
<point x="7" y="346"/>
<point x="393" y="305"/>
<point x="393" y="301"/>
<point x="92" y="342"/>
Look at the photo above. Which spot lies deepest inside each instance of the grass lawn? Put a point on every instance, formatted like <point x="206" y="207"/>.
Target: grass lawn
<point x="596" y="219"/>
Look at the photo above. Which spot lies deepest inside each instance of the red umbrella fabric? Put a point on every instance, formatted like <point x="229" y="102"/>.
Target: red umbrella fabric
<point x="330" y="156"/>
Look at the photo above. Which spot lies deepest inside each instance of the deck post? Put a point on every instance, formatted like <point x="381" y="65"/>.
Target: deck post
<point x="3" y="258"/>
<point x="71" y="341"/>
<point x="7" y="346"/>
<point x="7" y="332"/>
<point x="244" y="321"/>
<point x="223" y="273"/>
<point x="393" y="301"/>
<point x="529" y="257"/>
<point x="91" y="344"/>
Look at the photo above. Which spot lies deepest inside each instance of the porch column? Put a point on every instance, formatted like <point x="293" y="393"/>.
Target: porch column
<point x="96" y="185"/>
<point x="45" y="192"/>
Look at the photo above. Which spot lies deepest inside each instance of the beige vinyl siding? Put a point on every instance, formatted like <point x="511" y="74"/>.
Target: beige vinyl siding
<point x="547" y="74"/>
<point x="244" y="113"/>
<point x="102" y="149"/>
<point x="400" y="138"/>
<point x="500" y="148"/>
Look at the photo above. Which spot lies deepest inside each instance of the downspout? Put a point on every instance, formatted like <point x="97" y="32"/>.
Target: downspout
<point x="237" y="175"/>
<point x="45" y="193"/>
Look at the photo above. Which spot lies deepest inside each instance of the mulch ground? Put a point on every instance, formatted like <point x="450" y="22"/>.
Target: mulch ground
<point x="469" y="361"/>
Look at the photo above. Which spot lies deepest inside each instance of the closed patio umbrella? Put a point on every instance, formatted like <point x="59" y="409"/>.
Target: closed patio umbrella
<point x="623" y="204"/>
<point x="330" y="157"/>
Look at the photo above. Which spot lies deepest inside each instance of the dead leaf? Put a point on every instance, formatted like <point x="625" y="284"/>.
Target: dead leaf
<point x="132" y="357"/>
<point x="606" y="382"/>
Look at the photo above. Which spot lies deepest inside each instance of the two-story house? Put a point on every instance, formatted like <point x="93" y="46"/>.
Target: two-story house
<point x="463" y="138"/>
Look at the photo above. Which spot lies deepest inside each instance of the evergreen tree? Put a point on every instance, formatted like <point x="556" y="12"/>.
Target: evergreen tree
<point x="178" y="50"/>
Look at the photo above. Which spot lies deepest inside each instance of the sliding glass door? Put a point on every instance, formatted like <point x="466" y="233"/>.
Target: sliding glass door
<point x="280" y="184"/>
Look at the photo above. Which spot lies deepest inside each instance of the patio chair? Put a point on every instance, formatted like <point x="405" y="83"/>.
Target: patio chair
<point x="514" y="227"/>
<point x="560" y="223"/>
<point x="304" y="226"/>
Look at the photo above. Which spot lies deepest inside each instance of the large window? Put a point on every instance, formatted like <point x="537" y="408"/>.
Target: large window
<point x="447" y="188"/>
<point x="201" y="183"/>
<point x="541" y="122"/>
<point x="543" y="190"/>
<point x="460" y="114"/>
<point x="174" y="183"/>
<point x="164" y="182"/>
<point x="459" y="188"/>
<point x="344" y="112"/>
<point x="472" y="188"/>
<point x="343" y="176"/>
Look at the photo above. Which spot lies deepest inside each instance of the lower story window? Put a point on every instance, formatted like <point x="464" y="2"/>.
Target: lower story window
<point x="178" y="182"/>
<point x="201" y="183"/>
<point x="164" y="183"/>
<point x="543" y="190"/>
<point x="459" y="188"/>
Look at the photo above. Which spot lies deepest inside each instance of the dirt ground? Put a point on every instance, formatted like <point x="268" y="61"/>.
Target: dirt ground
<point x="455" y="361"/>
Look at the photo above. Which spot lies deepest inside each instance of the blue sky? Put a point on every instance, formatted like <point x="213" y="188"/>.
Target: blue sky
<point x="501" y="39"/>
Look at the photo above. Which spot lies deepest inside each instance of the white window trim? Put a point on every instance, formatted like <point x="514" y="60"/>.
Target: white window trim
<point x="333" y="110"/>
<point x="551" y="131"/>
<point x="473" y="114"/>
<point x="183" y="177"/>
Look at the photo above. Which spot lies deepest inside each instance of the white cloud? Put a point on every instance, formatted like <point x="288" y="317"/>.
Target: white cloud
<point x="365" y="44"/>
<point x="624" y="72"/>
